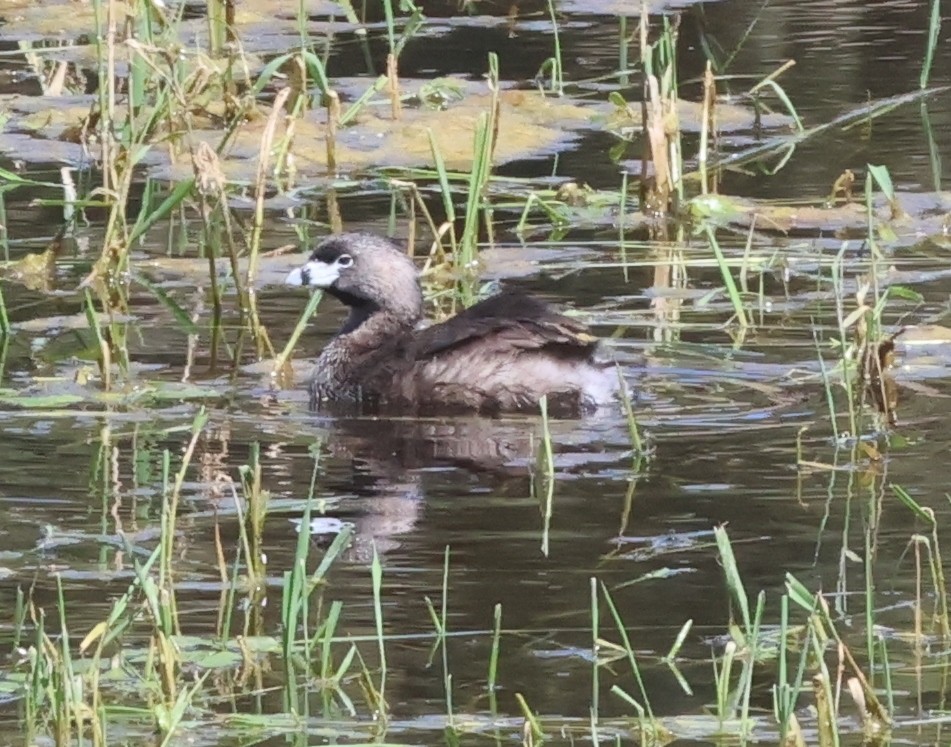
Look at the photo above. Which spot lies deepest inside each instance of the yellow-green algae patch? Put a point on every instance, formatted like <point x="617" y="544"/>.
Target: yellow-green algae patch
<point x="915" y="221"/>
<point x="730" y="118"/>
<point x="529" y="124"/>
<point x="50" y="19"/>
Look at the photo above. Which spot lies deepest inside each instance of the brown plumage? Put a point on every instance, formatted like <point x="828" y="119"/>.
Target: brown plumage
<point x="502" y="354"/>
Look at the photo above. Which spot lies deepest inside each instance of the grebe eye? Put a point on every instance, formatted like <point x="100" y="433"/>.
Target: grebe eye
<point x="344" y="260"/>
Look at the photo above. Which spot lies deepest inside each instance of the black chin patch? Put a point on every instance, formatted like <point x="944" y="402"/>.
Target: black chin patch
<point x="361" y="308"/>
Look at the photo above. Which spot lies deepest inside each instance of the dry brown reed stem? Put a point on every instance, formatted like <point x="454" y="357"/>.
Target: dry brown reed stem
<point x="240" y="509"/>
<point x="285" y="169"/>
<point x="210" y="181"/>
<point x="261" y="339"/>
<point x="57" y="80"/>
<point x="334" y="216"/>
<point x="230" y="20"/>
<point x="333" y="121"/>
<point x="495" y="117"/>
<point x="416" y="203"/>
<point x="824" y="714"/>
<point x="875" y="707"/>
<point x="393" y="80"/>
<point x="938" y="565"/>
<point x="192" y="344"/>
<point x="112" y="256"/>
<point x="652" y="120"/>
<point x="436" y="249"/>
<point x="773" y="75"/>
<point x="708" y="182"/>
<point x="106" y="362"/>
<point x="297" y="80"/>
<point x="411" y="227"/>
<point x="222" y="572"/>
<point x="657" y="137"/>
<point x="166" y="582"/>
<point x="257" y="501"/>
<point x="167" y="664"/>
<point x="919" y="627"/>
<point x="108" y="117"/>
<point x="660" y="119"/>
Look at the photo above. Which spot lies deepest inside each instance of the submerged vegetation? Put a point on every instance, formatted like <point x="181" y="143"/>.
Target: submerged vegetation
<point x="211" y="145"/>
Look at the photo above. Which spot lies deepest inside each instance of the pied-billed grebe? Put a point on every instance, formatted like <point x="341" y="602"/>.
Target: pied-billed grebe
<point x="502" y="354"/>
